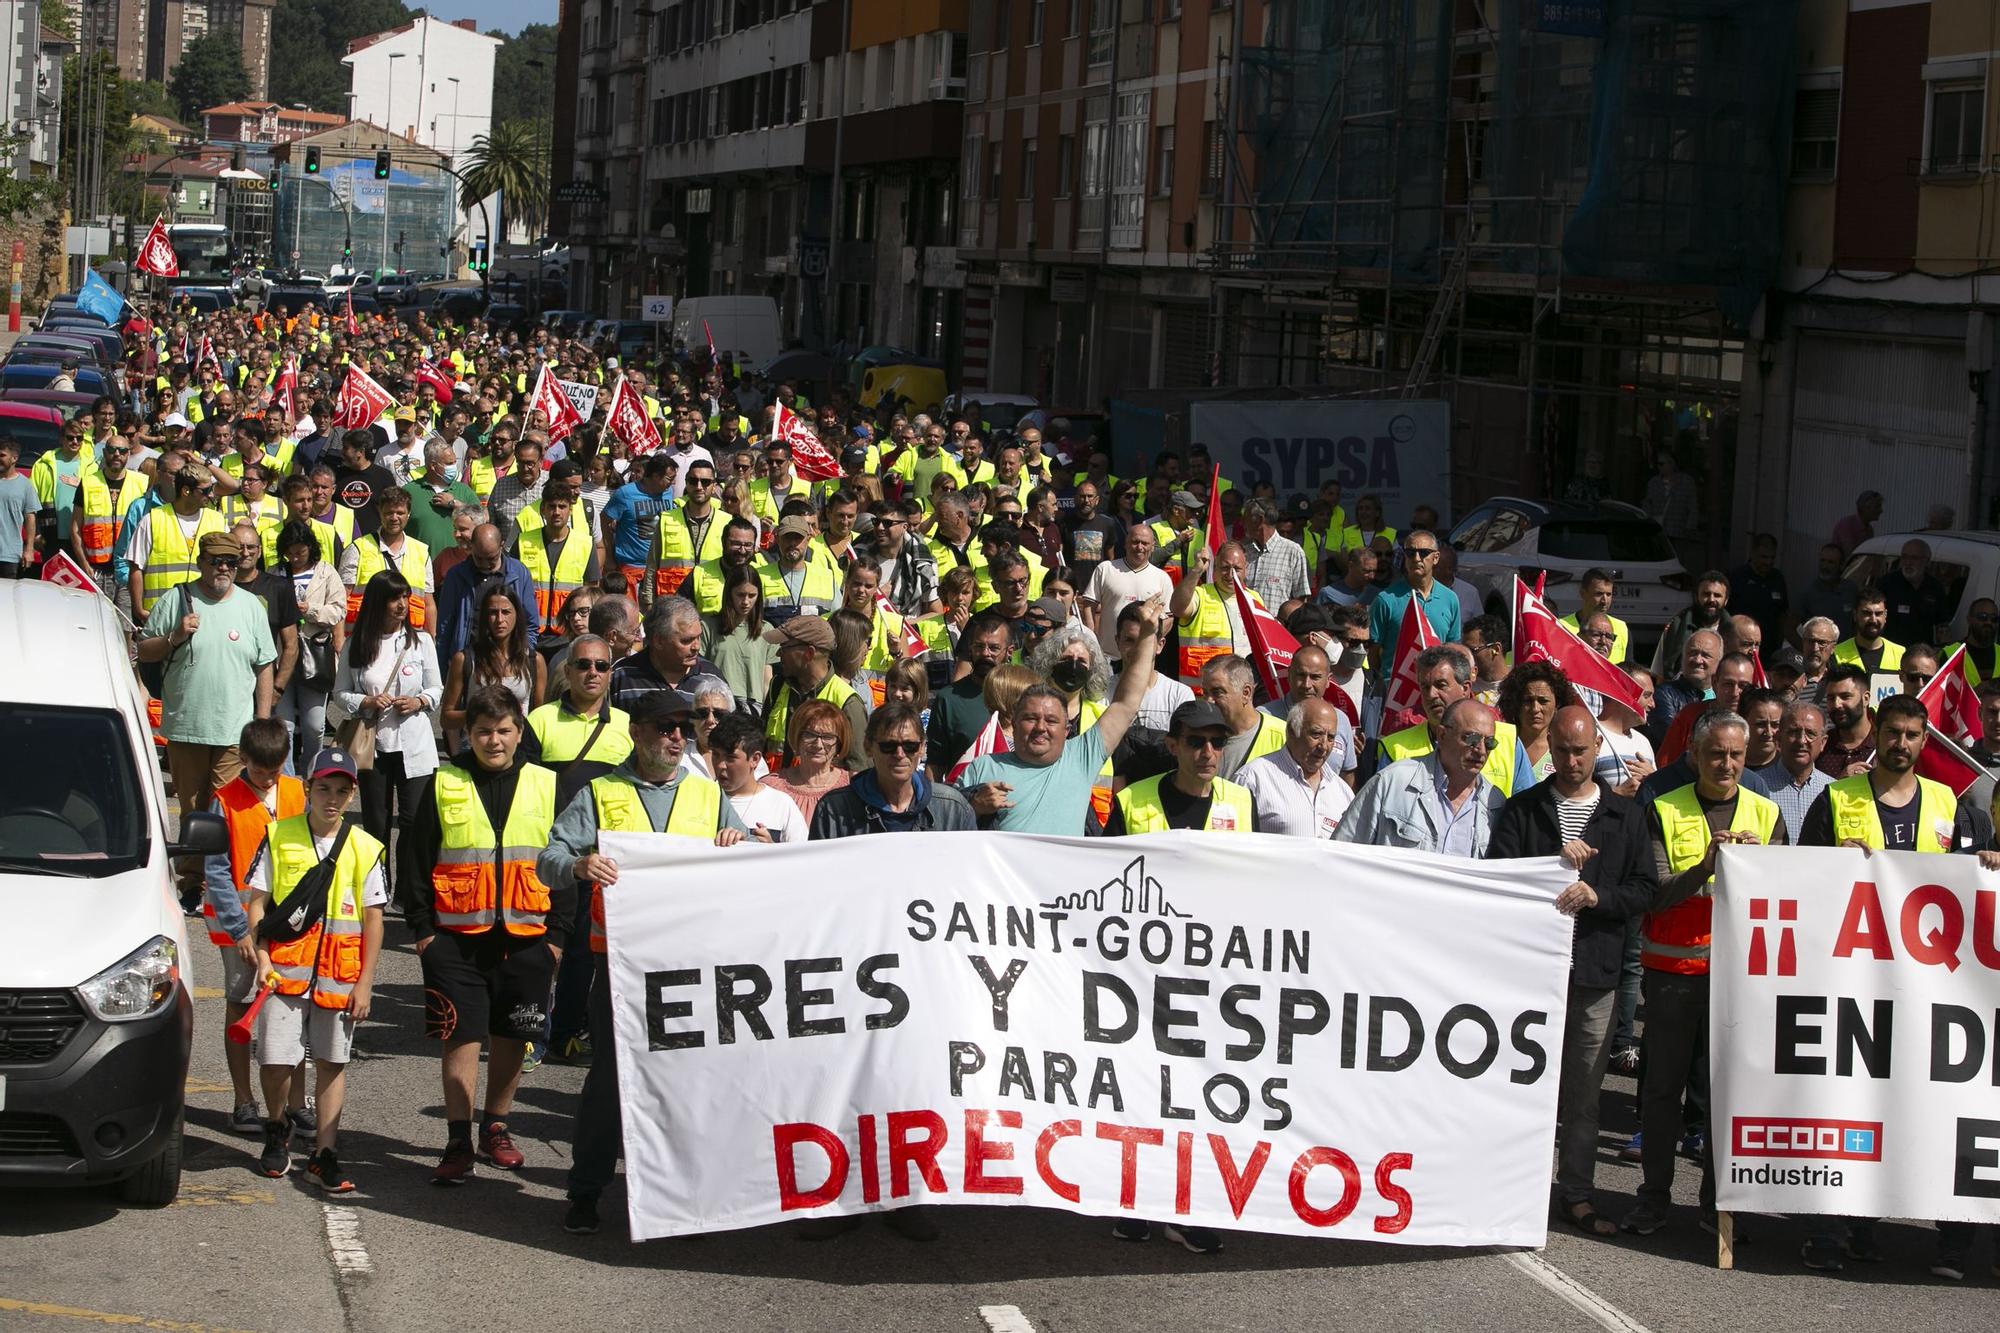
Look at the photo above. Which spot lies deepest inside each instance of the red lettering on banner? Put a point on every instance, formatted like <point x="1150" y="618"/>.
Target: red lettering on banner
<point x="922" y="1154"/>
<point x="1864" y="929"/>
<point x="1985" y="931"/>
<point x="1940" y="946"/>
<point x="871" y="1171"/>
<point x="1129" y="1138"/>
<point x="1393" y="1193"/>
<point x="1044" y="1145"/>
<point x="979" y="1150"/>
<point x="1350" y="1186"/>
<point x="786" y="1139"/>
<point x="1183" y="1169"/>
<point x="1238" y="1185"/>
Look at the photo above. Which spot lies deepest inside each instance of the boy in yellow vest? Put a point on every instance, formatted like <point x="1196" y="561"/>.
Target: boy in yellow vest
<point x="318" y="956"/>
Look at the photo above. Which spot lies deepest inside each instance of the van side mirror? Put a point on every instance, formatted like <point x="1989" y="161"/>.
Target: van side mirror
<point x="202" y="834"/>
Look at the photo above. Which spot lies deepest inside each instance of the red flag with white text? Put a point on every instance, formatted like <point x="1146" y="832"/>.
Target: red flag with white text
<point x="1271" y="644"/>
<point x="1540" y="637"/>
<point x="1950" y="700"/>
<point x="285" y="389"/>
<point x="1415" y="635"/>
<point x="1944" y="760"/>
<point x="992" y="739"/>
<point x="427" y="372"/>
<point x="361" y="402"/>
<point x="809" y="456"/>
<point x="156" y="253"/>
<point x="554" y="405"/>
<point x="627" y="420"/>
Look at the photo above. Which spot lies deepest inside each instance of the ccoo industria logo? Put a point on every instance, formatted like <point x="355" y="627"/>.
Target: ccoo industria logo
<point x="1793" y="1136"/>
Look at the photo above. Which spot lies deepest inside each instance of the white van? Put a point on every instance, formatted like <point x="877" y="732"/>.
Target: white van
<point x="95" y="1010"/>
<point x="745" y="328"/>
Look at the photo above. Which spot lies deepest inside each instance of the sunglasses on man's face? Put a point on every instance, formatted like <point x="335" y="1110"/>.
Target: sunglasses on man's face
<point x="1473" y="740"/>
<point x="899" y="747"/>
<point x="590" y="664"/>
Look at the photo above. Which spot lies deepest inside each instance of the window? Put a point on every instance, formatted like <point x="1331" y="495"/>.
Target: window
<point x="1065" y="164"/>
<point x="76" y="813"/>
<point x="1037" y="18"/>
<point x="1102" y="15"/>
<point x="975" y="156"/>
<point x="1957" y="109"/>
<point x="1025" y="187"/>
<point x="1128" y="169"/>
<point x="1815" y="132"/>
<point x="948" y="66"/>
<point x="993" y="170"/>
<point x="1163" y="160"/>
<point x="1211" y="165"/>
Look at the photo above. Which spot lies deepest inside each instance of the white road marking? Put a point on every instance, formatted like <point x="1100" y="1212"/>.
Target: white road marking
<point x="343" y="1241"/>
<point x="1005" y="1319"/>
<point x="1574" y="1292"/>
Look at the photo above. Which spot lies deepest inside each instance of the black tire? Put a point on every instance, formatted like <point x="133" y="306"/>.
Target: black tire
<point x="158" y="1182"/>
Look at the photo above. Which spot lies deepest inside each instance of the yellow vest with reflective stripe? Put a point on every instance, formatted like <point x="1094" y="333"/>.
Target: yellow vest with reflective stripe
<point x="1852" y="802"/>
<point x="414" y="565"/>
<point x="326" y="960"/>
<point x="819" y="590"/>
<point x="479" y="475"/>
<point x="562" y="734"/>
<point x="1621" y="635"/>
<point x="1228" y="810"/>
<point x="1415" y="743"/>
<point x="103" y="515"/>
<point x="696" y="813"/>
<point x="1205" y="633"/>
<point x="777" y="725"/>
<point x="277" y="462"/>
<point x="1270" y="737"/>
<point x="674" y="542"/>
<point x="554" y="584"/>
<point x="482" y="877"/>
<point x="1676" y="939"/>
<point x="171" y="560"/>
<point x="1850" y="652"/>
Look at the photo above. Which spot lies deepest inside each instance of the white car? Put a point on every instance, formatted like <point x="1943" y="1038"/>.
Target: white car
<point x="1002" y="411"/>
<point x="1505" y="536"/>
<point x="1966" y="562"/>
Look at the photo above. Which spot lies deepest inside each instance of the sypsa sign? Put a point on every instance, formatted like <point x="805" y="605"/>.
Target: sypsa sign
<point x="1398" y="450"/>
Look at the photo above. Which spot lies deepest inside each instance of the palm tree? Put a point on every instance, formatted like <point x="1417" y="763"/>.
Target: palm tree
<point x="507" y="161"/>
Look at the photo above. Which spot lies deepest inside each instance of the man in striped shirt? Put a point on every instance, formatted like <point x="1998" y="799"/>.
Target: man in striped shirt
<point x="1794" y="778"/>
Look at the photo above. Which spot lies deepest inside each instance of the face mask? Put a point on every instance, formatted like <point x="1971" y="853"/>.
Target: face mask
<point x="1069" y="675"/>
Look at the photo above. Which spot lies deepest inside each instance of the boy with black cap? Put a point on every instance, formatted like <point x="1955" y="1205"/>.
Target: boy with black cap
<point x="316" y="899"/>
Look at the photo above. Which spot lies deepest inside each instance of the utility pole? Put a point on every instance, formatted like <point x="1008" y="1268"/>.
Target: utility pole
<point x="389" y="142"/>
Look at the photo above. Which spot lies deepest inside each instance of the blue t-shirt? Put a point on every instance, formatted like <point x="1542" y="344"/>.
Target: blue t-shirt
<point x="637" y="517"/>
<point x="69" y="476"/>
<point x="17" y="501"/>
<point x="1385" y="617"/>
<point x="1054" y="798"/>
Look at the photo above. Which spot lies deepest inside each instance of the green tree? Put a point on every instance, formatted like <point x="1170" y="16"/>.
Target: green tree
<point x="512" y="161"/>
<point x="210" y="73"/>
<point x="24" y="194"/>
<point x="524" y="76"/>
<point x="55" y="17"/>
<point x="308" y="38"/>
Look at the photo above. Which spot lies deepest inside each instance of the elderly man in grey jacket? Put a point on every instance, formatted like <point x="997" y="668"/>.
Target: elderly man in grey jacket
<point x="1439" y="802"/>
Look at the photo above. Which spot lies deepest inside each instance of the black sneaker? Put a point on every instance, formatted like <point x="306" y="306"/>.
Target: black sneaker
<point x="304" y="1121"/>
<point x="1198" y="1240"/>
<point x="1822" y="1255"/>
<point x="247" y="1120"/>
<point x="1643" y="1220"/>
<point x="581" y="1219"/>
<point x="323" y="1169"/>
<point x="1132" y="1228"/>
<point x="276" y="1159"/>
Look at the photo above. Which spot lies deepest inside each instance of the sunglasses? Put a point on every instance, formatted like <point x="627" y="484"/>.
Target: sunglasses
<point x="220" y="561"/>
<point x="685" y="728"/>
<point x="590" y="664"/>
<point x="1472" y="740"/>
<point x="899" y="747"/>
<point x="1420" y="552"/>
<point x="712" y="714"/>
<point x="1216" y="743"/>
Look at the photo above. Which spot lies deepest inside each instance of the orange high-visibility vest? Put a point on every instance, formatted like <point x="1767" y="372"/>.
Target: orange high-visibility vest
<point x="248" y="819"/>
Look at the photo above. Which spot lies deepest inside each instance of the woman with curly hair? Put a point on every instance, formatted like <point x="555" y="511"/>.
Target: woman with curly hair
<point x="1529" y="698"/>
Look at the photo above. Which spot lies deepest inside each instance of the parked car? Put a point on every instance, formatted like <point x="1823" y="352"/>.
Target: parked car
<point x="566" y="322"/>
<point x="68" y="404"/>
<point x="506" y="314"/>
<point x="1966" y="562"/>
<point x="1506" y="536"/>
<point x="35" y="427"/>
<point x="33" y="372"/>
<point x="205" y="300"/>
<point x="106" y="339"/>
<point x="87" y="351"/>
<point x="96" y="1015"/>
<point x="65" y="310"/>
<point x="396" y="288"/>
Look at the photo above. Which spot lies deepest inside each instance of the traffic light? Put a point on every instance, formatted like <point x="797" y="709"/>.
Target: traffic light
<point x="479" y="260"/>
<point x="347" y="250"/>
<point x="277" y="175"/>
<point x="382" y="165"/>
<point x="312" y="161"/>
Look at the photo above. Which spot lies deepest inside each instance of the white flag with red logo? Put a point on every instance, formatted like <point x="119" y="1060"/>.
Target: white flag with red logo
<point x="809" y="456"/>
<point x="285" y="391"/>
<point x="427" y="372"/>
<point x="156" y="253"/>
<point x="1540" y="637"/>
<point x="361" y="402"/>
<point x="554" y="405"/>
<point x="205" y="353"/>
<point x="1415" y="635"/>
<point x="1271" y="644"/>
<point x="628" y="421"/>
<point x="992" y="739"/>
<point x="913" y="638"/>
<point x="61" y="570"/>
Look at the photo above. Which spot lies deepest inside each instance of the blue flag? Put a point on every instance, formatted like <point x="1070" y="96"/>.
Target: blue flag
<point x="98" y="298"/>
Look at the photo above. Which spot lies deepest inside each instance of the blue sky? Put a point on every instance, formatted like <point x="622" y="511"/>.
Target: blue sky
<point x="504" y="16"/>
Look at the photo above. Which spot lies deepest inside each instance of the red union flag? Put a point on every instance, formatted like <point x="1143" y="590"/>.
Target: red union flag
<point x="913" y="638"/>
<point x="627" y="421"/>
<point x="156" y="254"/>
<point x="1415" y="635"/>
<point x="1271" y="644"/>
<point x="1948" y="697"/>
<point x="554" y="405"/>
<point x="1540" y="637"/>
<point x="284" y="393"/>
<point x="992" y="739"/>
<point x="361" y="400"/>
<point x="1215" y="535"/>
<point x="64" y="572"/>
<point x="427" y="372"/>
<point x="809" y="456"/>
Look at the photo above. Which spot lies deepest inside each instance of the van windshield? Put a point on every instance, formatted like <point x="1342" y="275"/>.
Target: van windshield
<point x="69" y="796"/>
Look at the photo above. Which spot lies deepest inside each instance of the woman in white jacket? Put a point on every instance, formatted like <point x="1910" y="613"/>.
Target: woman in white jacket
<point x="389" y="681"/>
<point x="322" y="602"/>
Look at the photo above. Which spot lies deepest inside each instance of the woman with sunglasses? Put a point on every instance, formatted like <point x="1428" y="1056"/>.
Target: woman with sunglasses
<point x="389" y="681"/>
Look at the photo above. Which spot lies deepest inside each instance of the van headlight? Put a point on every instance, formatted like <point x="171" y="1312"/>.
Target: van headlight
<point x="136" y="986"/>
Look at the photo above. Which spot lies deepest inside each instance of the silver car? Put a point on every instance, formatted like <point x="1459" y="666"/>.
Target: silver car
<point x="1505" y="537"/>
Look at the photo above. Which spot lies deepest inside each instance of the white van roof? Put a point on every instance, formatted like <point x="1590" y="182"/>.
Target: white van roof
<point x="60" y="645"/>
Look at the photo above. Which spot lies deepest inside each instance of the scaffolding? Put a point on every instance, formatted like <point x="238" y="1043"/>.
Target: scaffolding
<point x="1571" y="206"/>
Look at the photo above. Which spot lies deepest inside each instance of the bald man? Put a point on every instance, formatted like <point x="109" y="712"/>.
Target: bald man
<point x="458" y="596"/>
<point x="1604" y="837"/>
<point x="1298" y="791"/>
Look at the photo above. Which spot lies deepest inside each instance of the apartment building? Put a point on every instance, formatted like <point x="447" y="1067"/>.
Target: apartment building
<point x="1875" y="349"/>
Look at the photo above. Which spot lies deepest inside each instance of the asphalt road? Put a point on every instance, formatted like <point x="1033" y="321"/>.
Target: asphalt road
<point x="240" y="1252"/>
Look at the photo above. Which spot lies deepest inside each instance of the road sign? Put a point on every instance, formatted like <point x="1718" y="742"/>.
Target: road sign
<point x="658" y="309"/>
<point x="580" y="192"/>
<point x="812" y="257"/>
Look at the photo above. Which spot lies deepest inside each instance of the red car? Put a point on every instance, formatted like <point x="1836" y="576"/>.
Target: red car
<point x="69" y="404"/>
<point x="35" y="427"/>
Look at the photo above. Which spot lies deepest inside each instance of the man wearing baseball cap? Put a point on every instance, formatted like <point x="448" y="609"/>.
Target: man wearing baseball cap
<point x="648" y="793"/>
<point x="795" y="584"/>
<point x="805" y="672"/>
<point x="317" y="957"/>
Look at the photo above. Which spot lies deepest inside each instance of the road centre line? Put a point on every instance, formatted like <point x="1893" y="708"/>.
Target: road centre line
<point x="1573" y="1292"/>
<point x="1005" y="1319"/>
<point x="77" y="1315"/>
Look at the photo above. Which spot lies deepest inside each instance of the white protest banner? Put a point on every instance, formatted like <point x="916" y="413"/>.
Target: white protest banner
<point x="1264" y="1033"/>
<point x="1399" y="450"/>
<point x="1854" y="1034"/>
<point x="582" y="397"/>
